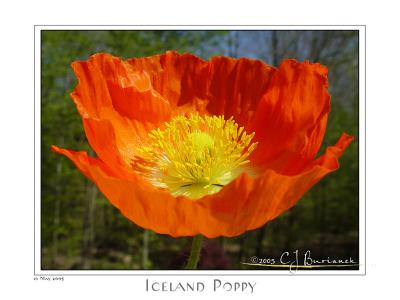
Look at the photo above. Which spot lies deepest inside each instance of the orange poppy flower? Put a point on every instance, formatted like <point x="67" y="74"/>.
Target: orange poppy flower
<point x="186" y="146"/>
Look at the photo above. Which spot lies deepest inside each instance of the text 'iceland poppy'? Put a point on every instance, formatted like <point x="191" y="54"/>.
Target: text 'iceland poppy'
<point x="186" y="146"/>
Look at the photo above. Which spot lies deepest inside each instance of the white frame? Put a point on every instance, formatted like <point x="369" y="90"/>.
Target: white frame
<point x="362" y="154"/>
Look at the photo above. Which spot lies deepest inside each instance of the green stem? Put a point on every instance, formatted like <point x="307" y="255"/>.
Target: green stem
<point x="194" y="253"/>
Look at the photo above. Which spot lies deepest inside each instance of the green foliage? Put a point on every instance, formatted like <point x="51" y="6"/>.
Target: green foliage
<point x="81" y="230"/>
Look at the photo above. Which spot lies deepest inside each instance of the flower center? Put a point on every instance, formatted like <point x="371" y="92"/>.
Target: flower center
<point x="196" y="155"/>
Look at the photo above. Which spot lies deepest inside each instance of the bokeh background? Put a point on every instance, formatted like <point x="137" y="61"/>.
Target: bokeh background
<point x="81" y="230"/>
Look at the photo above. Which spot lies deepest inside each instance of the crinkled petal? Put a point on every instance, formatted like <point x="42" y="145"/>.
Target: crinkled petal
<point x="244" y="204"/>
<point x="236" y="86"/>
<point x="107" y="82"/>
<point x="221" y="86"/>
<point x="110" y="90"/>
<point x="290" y="120"/>
<point x="181" y="79"/>
<point x="278" y="193"/>
<point x="101" y="137"/>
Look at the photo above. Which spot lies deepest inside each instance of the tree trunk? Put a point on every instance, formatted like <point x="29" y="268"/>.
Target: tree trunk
<point x="88" y="226"/>
<point x="56" y="220"/>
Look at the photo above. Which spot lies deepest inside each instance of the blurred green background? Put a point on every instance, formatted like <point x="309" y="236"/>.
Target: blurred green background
<point x="81" y="230"/>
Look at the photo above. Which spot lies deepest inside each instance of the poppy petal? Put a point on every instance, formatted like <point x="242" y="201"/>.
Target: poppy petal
<point x="282" y="192"/>
<point x="222" y="86"/>
<point x="181" y="79"/>
<point x="249" y="203"/>
<point x="236" y="86"/>
<point x="244" y="204"/>
<point x="107" y="88"/>
<point x="291" y="118"/>
<point x="107" y="82"/>
<point x="101" y="137"/>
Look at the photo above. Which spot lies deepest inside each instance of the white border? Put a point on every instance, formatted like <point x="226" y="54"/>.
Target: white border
<point x="362" y="154"/>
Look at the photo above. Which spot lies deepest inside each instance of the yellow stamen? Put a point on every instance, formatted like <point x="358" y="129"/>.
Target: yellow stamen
<point x="196" y="155"/>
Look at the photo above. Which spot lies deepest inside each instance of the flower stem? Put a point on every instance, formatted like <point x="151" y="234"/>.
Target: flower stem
<point x="194" y="253"/>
